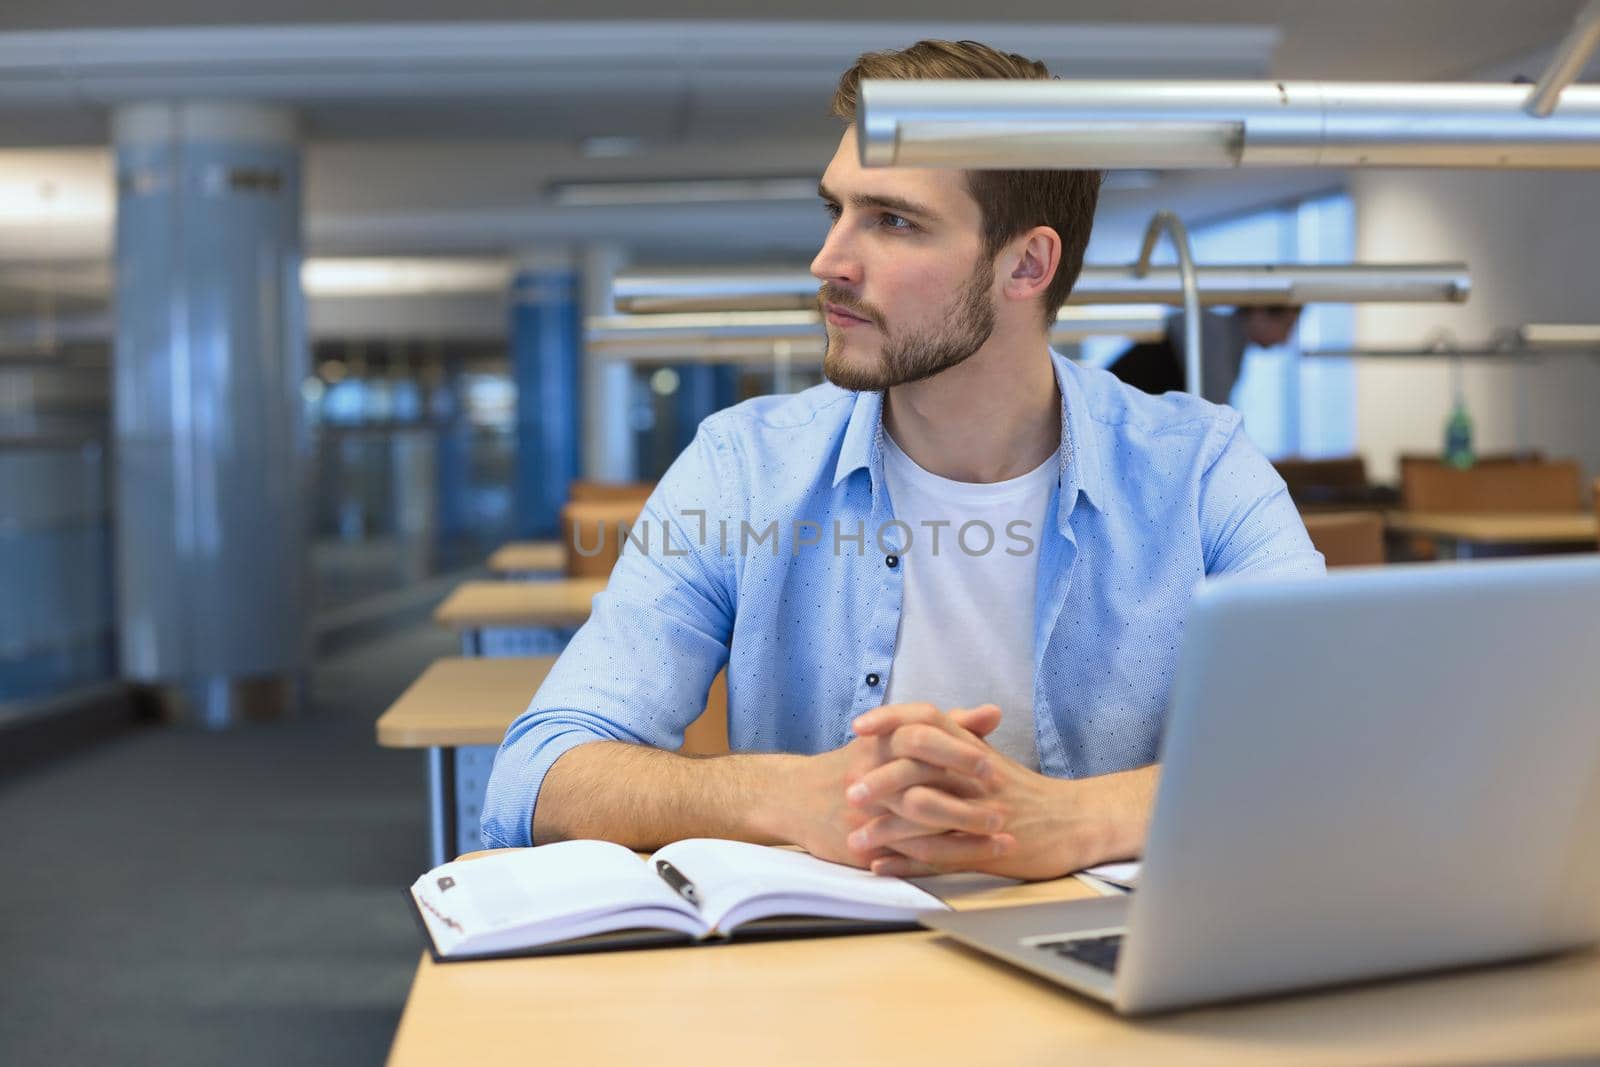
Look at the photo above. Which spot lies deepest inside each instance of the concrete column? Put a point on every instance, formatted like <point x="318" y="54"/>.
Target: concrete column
<point x="608" y="448"/>
<point x="703" y="389"/>
<point x="453" y="465"/>
<point x="546" y="356"/>
<point x="211" y="447"/>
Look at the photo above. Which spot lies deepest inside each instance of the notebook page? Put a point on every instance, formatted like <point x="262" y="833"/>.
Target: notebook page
<point x="544" y="890"/>
<point x="517" y="938"/>
<point x="1123" y="875"/>
<point x="731" y="874"/>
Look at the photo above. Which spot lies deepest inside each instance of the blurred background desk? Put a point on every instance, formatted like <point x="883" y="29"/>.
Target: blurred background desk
<point x="517" y="618"/>
<point x="527" y="558"/>
<point x="458" y="710"/>
<point x="1465" y="536"/>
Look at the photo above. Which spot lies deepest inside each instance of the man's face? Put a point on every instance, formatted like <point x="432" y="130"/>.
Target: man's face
<point x="906" y="288"/>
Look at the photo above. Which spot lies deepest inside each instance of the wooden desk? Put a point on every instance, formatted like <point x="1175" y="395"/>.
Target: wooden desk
<point x="918" y="998"/>
<point x="1463" y="535"/>
<point x="528" y="557"/>
<point x="476" y="607"/>
<point x="459" y="709"/>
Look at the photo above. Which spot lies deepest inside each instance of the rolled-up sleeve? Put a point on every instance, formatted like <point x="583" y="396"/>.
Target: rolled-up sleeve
<point x="1247" y="519"/>
<point x="640" y="669"/>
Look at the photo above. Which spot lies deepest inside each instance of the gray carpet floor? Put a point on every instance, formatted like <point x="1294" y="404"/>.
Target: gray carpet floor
<point x="177" y="897"/>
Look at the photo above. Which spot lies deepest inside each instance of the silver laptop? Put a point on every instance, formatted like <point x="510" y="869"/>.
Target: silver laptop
<point x="1383" y="771"/>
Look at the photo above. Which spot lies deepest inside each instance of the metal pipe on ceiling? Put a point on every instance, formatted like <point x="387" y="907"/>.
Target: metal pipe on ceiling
<point x="702" y="326"/>
<point x="1564" y="336"/>
<point x="1522" y="343"/>
<point x="774" y="289"/>
<point x="1012" y="125"/>
<point x="1419" y="353"/>
<point x="742" y="336"/>
<point x="1168" y="223"/>
<point x="1572" y="54"/>
<point x="752" y="353"/>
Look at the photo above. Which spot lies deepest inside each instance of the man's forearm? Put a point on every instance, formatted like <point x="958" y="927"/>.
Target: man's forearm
<point x="1117" y="822"/>
<point x="644" y="797"/>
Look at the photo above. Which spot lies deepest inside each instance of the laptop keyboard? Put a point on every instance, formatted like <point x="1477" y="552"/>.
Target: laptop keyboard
<point x="1098" y="952"/>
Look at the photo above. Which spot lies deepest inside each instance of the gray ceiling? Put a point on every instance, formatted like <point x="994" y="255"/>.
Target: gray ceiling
<point x="665" y="91"/>
<point x="1355" y="39"/>
<point x="445" y="149"/>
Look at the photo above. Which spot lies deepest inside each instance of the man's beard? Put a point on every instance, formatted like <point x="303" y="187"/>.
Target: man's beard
<point x="915" y="356"/>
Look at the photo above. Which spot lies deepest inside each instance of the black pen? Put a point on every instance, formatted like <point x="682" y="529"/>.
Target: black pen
<point x="680" y="885"/>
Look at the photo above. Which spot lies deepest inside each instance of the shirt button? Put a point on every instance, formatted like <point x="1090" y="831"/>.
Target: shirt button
<point x="892" y="560"/>
<point x="872" y="680"/>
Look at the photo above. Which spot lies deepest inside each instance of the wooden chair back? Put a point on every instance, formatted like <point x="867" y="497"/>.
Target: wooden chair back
<point x="1481" y="459"/>
<point x="708" y="735"/>
<point x="593" y="532"/>
<point x="1332" y="485"/>
<point x="1349" y="538"/>
<point x="1342" y="472"/>
<point x="587" y="490"/>
<point x="1430" y="485"/>
<point x="1597" y="498"/>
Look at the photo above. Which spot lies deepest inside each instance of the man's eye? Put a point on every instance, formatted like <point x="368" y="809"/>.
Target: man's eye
<point x="832" y="210"/>
<point x="895" y="222"/>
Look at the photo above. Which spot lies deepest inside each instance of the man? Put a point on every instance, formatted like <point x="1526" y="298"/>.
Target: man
<point x="948" y="587"/>
<point x="1158" y="366"/>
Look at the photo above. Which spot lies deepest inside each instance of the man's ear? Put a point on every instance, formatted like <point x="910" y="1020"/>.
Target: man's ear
<point x="1034" y="258"/>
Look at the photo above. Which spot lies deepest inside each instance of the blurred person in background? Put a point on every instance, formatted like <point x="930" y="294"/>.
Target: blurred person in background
<point x="1157" y="367"/>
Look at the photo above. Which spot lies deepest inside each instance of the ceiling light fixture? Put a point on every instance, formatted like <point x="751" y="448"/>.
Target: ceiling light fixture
<point x="708" y="334"/>
<point x="401" y="276"/>
<point x="1201" y="125"/>
<point x="1222" y="124"/>
<point x="777" y="288"/>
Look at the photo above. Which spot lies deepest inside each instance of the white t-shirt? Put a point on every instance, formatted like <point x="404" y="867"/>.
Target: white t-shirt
<point x="971" y="566"/>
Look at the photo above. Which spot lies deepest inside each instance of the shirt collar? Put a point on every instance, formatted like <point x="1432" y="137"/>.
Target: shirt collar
<point x="861" y="437"/>
<point x="1081" y="470"/>
<point x="1079" y="465"/>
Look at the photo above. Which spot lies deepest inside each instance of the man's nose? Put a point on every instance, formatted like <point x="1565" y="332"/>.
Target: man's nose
<point x="835" y="262"/>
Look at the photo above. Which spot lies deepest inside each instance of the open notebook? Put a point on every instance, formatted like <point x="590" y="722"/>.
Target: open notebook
<point x="588" y="896"/>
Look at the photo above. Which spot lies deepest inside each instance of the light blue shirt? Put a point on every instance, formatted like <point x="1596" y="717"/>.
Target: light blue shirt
<point x="767" y="546"/>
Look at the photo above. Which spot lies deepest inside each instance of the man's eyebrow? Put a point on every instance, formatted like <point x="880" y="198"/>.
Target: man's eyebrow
<point x="896" y="204"/>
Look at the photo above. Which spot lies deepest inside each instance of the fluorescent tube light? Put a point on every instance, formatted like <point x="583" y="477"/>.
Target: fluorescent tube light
<point x="773" y="288"/>
<point x="1209" y="124"/>
<point x="697" y="191"/>
<point x="399" y="276"/>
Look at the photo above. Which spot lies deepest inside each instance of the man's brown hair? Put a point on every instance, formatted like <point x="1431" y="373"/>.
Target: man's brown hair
<point x="1010" y="202"/>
